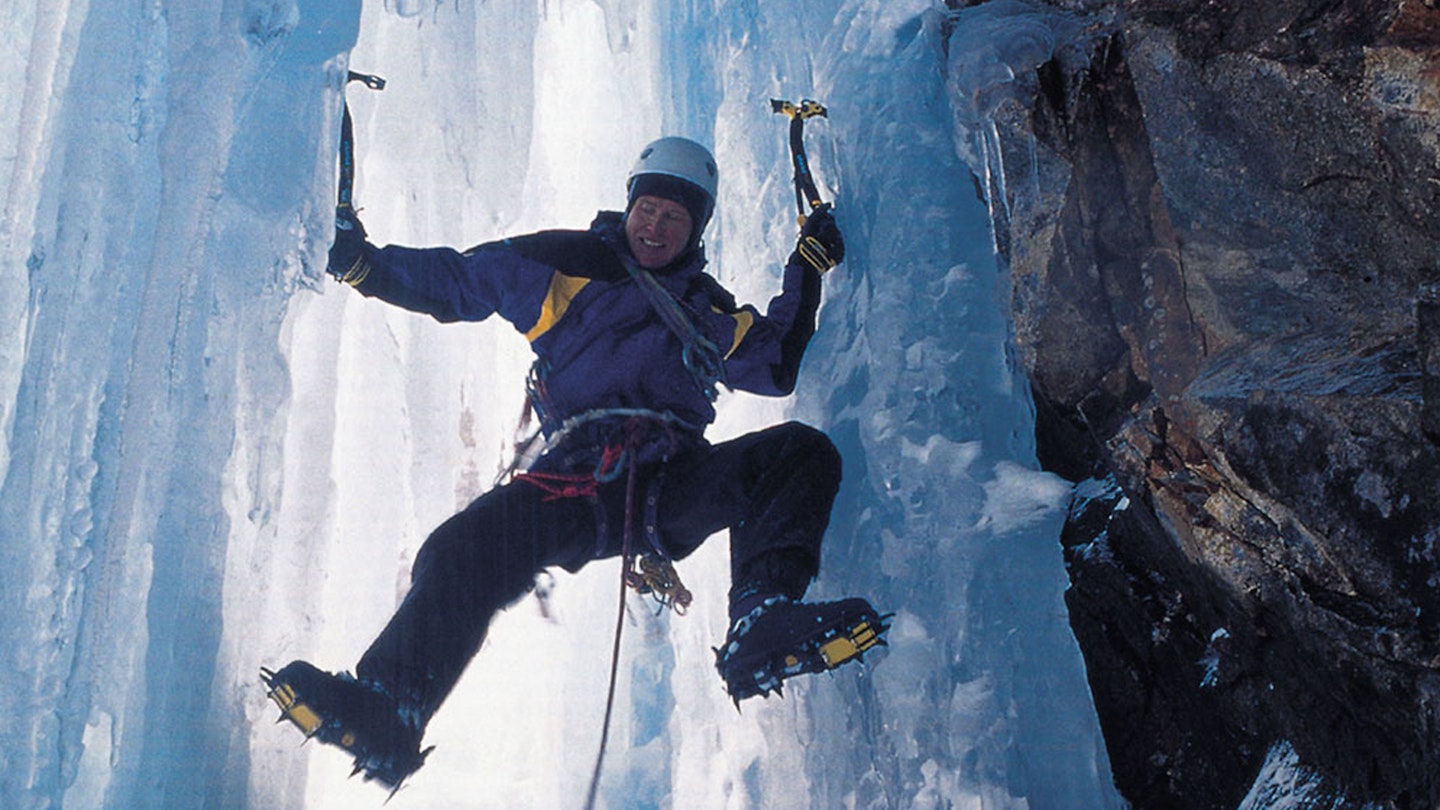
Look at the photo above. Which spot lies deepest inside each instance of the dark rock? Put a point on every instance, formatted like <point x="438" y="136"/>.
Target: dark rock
<point x="1427" y="340"/>
<point x="1225" y="295"/>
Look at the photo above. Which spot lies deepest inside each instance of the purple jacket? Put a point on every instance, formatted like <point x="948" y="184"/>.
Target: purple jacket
<point x="598" y="340"/>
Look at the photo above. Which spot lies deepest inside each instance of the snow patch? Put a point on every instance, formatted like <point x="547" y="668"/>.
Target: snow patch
<point x="1019" y="497"/>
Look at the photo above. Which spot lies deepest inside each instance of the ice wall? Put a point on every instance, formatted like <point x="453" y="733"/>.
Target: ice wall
<point x="215" y="460"/>
<point x="161" y="176"/>
<point x="982" y="700"/>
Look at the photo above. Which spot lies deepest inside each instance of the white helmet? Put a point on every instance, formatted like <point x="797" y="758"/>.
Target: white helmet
<point x="678" y="157"/>
<point x="681" y="159"/>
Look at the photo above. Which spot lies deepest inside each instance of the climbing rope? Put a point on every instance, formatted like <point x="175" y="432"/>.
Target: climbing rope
<point x="615" y="649"/>
<point x="649" y="574"/>
<point x="703" y="359"/>
<point x="632" y="441"/>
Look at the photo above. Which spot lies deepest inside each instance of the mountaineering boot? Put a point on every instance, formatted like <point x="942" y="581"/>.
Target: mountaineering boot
<point x="780" y="638"/>
<point x="356" y="716"/>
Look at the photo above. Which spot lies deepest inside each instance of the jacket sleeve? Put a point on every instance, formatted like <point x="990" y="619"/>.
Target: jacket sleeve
<point x="763" y="354"/>
<point x="452" y="286"/>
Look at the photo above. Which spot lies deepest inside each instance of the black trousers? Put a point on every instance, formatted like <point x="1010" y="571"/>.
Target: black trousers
<point x="773" y="489"/>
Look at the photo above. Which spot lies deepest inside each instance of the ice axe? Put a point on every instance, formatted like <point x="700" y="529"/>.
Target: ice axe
<point x="345" y="202"/>
<point x="805" y="191"/>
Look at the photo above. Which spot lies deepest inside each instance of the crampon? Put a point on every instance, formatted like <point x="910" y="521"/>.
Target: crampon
<point x="781" y="639"/>
<point x="341" y="711"/>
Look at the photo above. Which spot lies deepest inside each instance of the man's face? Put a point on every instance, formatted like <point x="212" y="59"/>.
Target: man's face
<point x="658" y="230"/>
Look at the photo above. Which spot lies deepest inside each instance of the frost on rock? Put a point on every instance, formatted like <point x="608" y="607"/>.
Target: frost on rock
<point x="1211" y="661"/>
<point x="1284" y="783"/>
<point x="1094" y="503"/>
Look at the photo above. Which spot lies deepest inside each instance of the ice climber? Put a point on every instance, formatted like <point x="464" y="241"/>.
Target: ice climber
<point x="631" y="338"/>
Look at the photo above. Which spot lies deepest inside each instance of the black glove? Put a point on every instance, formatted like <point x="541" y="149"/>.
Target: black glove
<point x="821" y="245"/>
<point x="347" y="252"/>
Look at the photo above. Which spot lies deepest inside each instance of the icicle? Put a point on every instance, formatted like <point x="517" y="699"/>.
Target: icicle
<point x="995" y="49"/>
<point x="997" y="191"/>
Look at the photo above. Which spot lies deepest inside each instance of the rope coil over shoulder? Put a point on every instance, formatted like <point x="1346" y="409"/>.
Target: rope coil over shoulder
<point x="703" y="359"/>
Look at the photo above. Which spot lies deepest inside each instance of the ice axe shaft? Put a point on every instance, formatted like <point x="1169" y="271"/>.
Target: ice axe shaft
<point x="806" y="194"/>
<point x="346" y="195"/>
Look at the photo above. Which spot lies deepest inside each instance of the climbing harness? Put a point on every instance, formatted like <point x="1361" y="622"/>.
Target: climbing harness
<point x="345" y="202"/>
<point x="806" y="194"/>
<point x="642" y="429"/>
<point x="551" y="436"/>
<point x="577" y="485"/>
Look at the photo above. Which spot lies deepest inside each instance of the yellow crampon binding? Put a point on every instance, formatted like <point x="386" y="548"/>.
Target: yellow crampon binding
<point x="655" y="575"/>
<point x="781" y="639"/>
<point x="291" y="708"/>
<point x="859" y="639"/>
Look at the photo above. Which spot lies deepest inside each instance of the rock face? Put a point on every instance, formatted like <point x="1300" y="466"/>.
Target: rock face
<point x="1224" y="257"/>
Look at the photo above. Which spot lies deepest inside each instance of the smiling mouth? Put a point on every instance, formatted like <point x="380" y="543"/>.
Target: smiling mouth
<point x="650" y="243"/>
